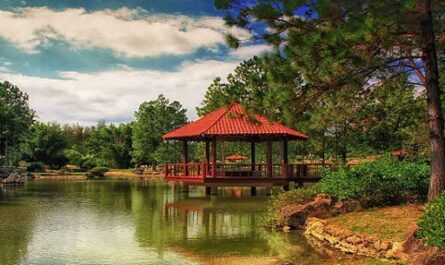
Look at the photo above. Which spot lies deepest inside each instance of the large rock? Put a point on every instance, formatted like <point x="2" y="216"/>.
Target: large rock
<point x="347" y="206"/>
<point x="296" y="215"/>
<point x="323" y="206"/>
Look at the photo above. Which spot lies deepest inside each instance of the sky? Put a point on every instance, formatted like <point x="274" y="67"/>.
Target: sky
<point x="81" y="61"/>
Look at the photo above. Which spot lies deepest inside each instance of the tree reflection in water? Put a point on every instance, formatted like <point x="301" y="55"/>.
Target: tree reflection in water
<point x="16" y="226"/>
<point x="139" y="222"/>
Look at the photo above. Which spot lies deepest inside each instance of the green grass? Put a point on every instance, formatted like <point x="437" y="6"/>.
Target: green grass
<point x="388" y="223"/>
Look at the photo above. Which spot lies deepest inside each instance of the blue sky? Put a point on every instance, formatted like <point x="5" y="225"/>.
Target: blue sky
<point x="85" y="60"/>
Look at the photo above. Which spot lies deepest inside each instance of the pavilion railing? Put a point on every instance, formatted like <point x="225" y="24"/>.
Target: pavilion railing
<point x="189" y="170"/>
<point x="202" y="170"/>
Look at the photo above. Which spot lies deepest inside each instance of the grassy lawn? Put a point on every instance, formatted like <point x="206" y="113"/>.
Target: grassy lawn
<point x="388" y="223"/>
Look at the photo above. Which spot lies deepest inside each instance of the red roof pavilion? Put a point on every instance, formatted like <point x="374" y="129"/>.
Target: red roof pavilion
<point x="233" y="123"/>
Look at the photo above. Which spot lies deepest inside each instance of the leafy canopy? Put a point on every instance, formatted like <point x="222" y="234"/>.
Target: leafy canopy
<point x="16" y="118"/>
<point x="154" y="119"/>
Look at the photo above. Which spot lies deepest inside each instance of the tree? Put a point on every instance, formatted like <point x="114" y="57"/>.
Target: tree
<point x="248" y="83"/>
<point x="262" y="85"/>
<point x="154" y="119"/>
<point x="16" y="117"/>
<point x="47" y="144"/>
<point x="388" y="116"/>
<point x="336" y="44"/>
<point x="106" y="145"/>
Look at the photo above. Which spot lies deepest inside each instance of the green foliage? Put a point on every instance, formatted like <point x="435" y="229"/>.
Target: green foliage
<point x="6" y="170"/>
<point x="35" y="166"/>
<point x="382" y="182"/>
<point x="75" y="157"/>
<point x="295" y="196"/>
<point x="110" y="145"/>
<point x="47" y="143"/>
<point x="344" y="51"/>
<point x="263" y="85"/>
<point x="101" y="145"/>
<point x="154" y="119"/>
<point x="97" y="172"/>
<point x="337" y="43"/>
<point x="16" y="118"/>
<point x="432" y="223"/>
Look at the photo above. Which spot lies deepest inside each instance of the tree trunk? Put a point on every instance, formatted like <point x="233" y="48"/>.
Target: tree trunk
<point x="323" y="154"/>
<point x="344" y="151"/>
<point x="435" y="117"/>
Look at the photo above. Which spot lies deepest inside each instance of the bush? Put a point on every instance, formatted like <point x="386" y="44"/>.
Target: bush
<point x="36" y="167"/>
<point x="295" y="196"/>
<point x="432" y="223"/>
<point x="381" y="182"/>
<point x="97" y="172"/>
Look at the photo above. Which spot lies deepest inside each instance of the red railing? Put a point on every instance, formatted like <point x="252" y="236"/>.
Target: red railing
<point x="201" y="170"/>
<point x="190" y="170"/>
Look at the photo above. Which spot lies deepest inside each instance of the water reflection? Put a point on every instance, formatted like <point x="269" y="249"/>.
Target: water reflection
<point x="16" y="226"/>
<point x="137" y="222"/>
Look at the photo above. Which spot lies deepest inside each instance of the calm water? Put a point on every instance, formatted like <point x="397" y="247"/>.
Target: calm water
<point x="136" y="222"/>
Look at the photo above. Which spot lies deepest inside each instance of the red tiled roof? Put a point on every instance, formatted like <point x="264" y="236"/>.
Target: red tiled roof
<point x="232" y="121"/>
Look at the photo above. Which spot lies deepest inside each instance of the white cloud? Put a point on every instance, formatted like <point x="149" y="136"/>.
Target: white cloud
<point x="246" y="52"/>
<point x="115" y="95"/>
<point x="129" y="32"/>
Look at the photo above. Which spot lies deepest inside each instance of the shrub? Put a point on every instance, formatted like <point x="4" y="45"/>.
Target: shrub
<point x="381" y="182"/>
<point x="36" y="167"/>
<point x="432" y="223"/>
<point x="295" y="196"/>
<point x="97" y="172"/>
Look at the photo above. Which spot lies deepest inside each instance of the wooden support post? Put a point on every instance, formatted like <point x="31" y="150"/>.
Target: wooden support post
<point x="207" y="159"/>
<point x="268" y="190"/>
<point x="214" y="190"/>
<point x="269" y="166"/>
<point x="211" y="190"/>
<point x="252" y="155"/>
<point x="214" y="158"/>
<point x="285" y="159"/>
<point x="185" y="157"/>
<point x="252" y="191"/>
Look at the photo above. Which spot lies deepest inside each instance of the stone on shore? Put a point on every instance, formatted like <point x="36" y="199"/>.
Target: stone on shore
<point x="323" y="206"/>
<point x="16" y="178"/>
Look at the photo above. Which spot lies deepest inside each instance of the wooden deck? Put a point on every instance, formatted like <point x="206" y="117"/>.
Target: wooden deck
<point x="243" y="174"/>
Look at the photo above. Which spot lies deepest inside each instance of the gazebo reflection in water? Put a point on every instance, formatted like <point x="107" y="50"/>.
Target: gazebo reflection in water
<point x="234" y="124"/>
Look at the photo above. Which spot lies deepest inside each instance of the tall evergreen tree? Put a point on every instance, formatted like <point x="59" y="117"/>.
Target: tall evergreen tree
<point x="334" y="44"/>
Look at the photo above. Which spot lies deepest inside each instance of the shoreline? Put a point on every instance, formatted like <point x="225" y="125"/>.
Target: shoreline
<point x="386" y="233"/>
<point x="113" y="174"/>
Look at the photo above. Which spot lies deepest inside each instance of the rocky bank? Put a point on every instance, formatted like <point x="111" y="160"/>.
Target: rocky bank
<point x="312" y="217"/>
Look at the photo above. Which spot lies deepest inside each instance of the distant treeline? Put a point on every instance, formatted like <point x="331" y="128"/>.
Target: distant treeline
<point x="340" y="125"/>
<point x="115" y="146"/>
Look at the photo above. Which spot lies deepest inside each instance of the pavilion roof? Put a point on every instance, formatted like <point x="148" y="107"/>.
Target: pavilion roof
<point x="233" y="123"/>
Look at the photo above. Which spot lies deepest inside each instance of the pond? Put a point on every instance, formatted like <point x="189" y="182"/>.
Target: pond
<point x="143" y="222"/>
